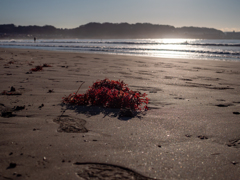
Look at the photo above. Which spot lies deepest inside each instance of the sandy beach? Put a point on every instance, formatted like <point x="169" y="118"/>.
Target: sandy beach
<point x="191" y="130"/>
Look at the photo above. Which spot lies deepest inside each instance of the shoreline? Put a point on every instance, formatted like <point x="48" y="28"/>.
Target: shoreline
<point x="121" y="54"/>
<point x="191" y="130"/>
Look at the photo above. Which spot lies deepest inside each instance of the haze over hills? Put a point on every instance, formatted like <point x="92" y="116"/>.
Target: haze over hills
<point x="114" y="31"/>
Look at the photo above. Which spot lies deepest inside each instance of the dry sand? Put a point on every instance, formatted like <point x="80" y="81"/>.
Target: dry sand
<point x="192" y="130"/>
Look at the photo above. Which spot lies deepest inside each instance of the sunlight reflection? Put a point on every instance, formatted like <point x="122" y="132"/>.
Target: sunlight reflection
<point x="170" y="44"/>
<point x="173" y="41"/>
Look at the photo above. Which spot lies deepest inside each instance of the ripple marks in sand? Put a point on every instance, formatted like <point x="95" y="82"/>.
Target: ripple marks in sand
<point x="198" y="85"/>
<point x="71" y="125"/>
<point x="90" y="171"/>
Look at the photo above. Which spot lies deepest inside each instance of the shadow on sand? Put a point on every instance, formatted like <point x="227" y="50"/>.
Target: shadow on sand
<point x="121" y="114"/>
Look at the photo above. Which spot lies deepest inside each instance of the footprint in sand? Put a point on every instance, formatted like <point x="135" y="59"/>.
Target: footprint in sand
<point x="90" y="171"/>
<point x="71" y="125"/>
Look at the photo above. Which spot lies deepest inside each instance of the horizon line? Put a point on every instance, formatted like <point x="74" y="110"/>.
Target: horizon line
<point x="230" y="29"/>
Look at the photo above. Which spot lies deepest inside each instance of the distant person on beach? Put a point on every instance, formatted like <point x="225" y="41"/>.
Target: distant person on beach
<point x="35" y="39"/>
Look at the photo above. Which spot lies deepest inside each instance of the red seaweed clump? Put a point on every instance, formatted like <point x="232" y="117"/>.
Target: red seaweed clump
<point x="46" y="65"/>
<point x="110" y="94"/>
<point x="11" y="62"/>
<point x="37" y="68"/>
<point x="40" y="68"/>
<point x="11" y="92"/>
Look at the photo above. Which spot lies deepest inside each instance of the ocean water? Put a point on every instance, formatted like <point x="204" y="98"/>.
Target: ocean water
<point x="226" y="50"/>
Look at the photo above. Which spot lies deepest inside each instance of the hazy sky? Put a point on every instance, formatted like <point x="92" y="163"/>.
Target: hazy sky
<point x="219" y="14"/>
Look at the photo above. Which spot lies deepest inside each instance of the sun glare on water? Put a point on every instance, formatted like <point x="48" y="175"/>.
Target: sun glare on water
<point x="169" y="47"/>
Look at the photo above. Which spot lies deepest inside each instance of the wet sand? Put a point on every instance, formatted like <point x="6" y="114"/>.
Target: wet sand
<point x="191" y="130"/>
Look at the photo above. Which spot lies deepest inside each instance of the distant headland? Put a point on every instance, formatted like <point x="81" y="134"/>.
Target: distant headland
<point x="114" y="31"/>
